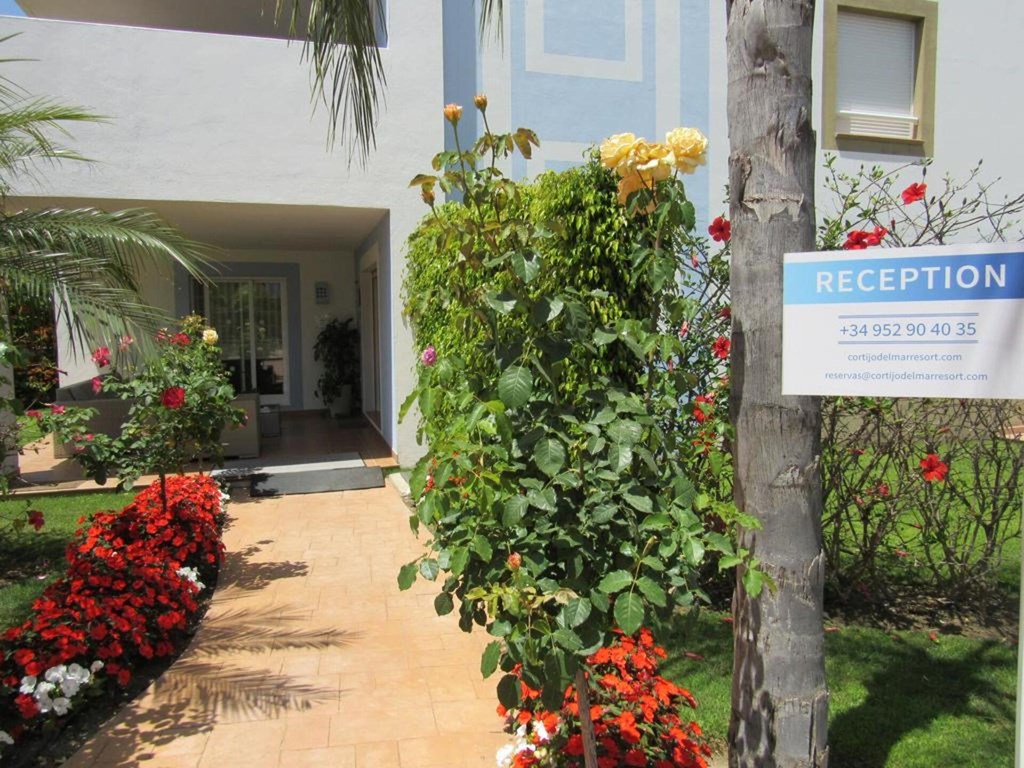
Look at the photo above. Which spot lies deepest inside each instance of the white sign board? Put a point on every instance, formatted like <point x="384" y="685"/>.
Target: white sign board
<point x="931" y="321"/>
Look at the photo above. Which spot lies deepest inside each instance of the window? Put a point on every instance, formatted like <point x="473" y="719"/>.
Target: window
<point x="879" y="79"/>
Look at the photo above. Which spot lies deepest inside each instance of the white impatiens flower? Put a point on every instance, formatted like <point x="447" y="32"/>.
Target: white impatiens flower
<point x="192" y="575"/>
<point x="79" y="674"/>
<point x="5" y="738"/>
<point x="45" y="689"/>
<point x="61" y="706"/>
<point x="96" y="666"/>
<point x="28" y="684"/>
<point x="55" y="675"/>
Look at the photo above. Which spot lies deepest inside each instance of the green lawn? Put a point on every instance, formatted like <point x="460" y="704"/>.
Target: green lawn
<point x="29" y="560"/>
<point x="897" y="700"/>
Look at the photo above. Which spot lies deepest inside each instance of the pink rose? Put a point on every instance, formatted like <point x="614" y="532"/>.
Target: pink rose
<point x="429" y="356"/>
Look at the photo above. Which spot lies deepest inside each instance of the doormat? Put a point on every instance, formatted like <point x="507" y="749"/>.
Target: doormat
<point x="270" y="483"/>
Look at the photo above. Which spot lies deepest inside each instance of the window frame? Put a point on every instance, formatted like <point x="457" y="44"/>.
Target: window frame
<point x="925" y="14"/>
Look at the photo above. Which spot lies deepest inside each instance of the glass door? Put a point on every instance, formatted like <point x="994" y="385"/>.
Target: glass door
<point x="249" y="316"/>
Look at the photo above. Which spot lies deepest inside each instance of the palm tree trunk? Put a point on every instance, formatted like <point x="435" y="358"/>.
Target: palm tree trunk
<point x="779" y="697"/>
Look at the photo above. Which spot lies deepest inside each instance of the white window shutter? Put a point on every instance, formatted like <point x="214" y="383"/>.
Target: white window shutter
<point x="876" y="64"/>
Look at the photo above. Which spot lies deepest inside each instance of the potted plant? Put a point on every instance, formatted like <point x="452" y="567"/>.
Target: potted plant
<point x="337" y="348"/>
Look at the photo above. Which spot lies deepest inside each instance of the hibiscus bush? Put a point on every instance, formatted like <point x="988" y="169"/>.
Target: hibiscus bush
<point x="130" y="594"/>
<point x="636" y="715"/>
<point x="180" y="403"/>
<point x="559" y="512"/>
<point x="920" y="496"/>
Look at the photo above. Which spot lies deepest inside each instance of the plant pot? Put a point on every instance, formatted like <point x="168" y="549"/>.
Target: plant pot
<point x="341" y="405"/>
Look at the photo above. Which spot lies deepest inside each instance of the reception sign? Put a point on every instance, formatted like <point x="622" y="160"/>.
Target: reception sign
<point x="931" y="321"/>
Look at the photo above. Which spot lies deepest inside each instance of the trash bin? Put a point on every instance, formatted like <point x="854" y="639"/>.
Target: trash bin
<point x="270" y="421"/>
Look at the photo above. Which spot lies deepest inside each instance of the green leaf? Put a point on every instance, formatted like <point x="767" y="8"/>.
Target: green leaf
<point x="729" y="561"/>
<point x="615" y="581"/>
<point x="638" y="500"/>
<point x="515" y="386"/>
<point x="460" y="557"/>
<point x="656" y="523"/>
<point x="407" y="576"/>
<point x="483" y="548"/>
<point x="601" y="338"/>
<point x="629" y="612"/>
<point x="620" y="457"/>
<point x="443" y="604"/>
<point x="501" y="303"/>
<point x="544" y="500"/>
<point x="500" y="629"/>
<point x="429" y="569"/>
<point x="753" y="581"/>
<point x="423" y="178"/>
<point x="489" y="661"/>
<point x="525" y="269"/>
<point x="652" y="591"/>
<point x="508" y="691"/>
<point x="549" y="455"/>
<point x="693" y="551"/>
<point x="576" y="611"/>
<point x="567" y="639"/>
<point x="513" y="511"/>
<point x="603" y="514"/>
<point x="625" y="432"/>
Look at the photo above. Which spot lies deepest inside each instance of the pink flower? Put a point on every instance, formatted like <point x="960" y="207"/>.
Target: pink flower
<point x="125" y="342"/>
<point x="429" y="356"/>
<point x="101" y="357"/>
<point x="37" y="415"/>
<point x="173" y="397"/>
<point x="97" y="385"/>
<point x="57" y="410"/>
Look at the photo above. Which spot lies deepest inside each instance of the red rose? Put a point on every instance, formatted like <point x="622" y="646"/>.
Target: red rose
<point x="913" y="193"/>
<point x="181" y="339"/>
<point x="720" y="230"/>
<point x="933" y="468"/>
<point x="173" y="397"/>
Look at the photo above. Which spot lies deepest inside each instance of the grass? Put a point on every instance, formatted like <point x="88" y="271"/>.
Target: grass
<point x="898" y="700"/>
<point x="30" y="559"/>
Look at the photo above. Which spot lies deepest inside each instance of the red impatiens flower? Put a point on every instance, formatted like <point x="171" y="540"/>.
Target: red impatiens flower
<point x="720" y="230"/>
<point x="933" y="468"/>
<point x="101" y="357"/>
<point x="859" y="239"/>
<point x="913" y="193"/>
<point x="721" y="347"/>
<point x="173" y="397"/>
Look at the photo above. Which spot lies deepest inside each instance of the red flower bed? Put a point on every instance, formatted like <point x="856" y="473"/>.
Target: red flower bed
<point x="636" y="715"/>
<point x="128" y="596"/>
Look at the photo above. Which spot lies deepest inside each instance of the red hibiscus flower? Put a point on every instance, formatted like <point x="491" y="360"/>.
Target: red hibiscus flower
<point x="35" y="519"/>
<point x="702" y="407"/>
<point x="173" y="397"/>
<point x="720" y="230"/>
<point x="933" y="468"/>
<point x="721" y="347"/>
<point x="101" y="357"/>
<point x="859" y="239"/>
<point x="913" y="193"/>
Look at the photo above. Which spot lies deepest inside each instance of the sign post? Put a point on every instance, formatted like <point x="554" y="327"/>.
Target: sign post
<point x="931" y="321"/>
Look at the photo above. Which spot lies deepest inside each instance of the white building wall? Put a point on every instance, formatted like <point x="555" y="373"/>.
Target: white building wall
<point x="200" y="117"/>
<point x="976" y="117"/>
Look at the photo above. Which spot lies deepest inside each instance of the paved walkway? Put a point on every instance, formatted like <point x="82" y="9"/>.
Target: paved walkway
<point x="311" y="656"/>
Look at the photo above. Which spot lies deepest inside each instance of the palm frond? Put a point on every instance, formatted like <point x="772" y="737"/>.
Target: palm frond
<point x="491" y="15"/>
<point x="89" y="260"/>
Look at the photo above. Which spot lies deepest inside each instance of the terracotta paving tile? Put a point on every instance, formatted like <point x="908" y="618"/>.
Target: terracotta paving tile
<point x="311" y="655"/>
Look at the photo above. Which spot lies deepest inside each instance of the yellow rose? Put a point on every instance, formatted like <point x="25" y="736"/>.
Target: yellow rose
<point x="616" y="148"/>
<point x="654" y="162"/>
<point x="628" y="185"/>
<point x="689" y="146"/>
<point x="452" y="113"/>
<point x="210" y="336"/>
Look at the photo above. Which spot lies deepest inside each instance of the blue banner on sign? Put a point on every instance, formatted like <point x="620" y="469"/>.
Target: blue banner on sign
<point x="963" y="277"/>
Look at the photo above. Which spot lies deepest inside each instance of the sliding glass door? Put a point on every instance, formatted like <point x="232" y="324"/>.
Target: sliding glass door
<point x="249" y="316"/>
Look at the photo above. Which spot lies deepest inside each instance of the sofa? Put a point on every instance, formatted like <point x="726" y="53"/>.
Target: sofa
<point x="111" y="412"/>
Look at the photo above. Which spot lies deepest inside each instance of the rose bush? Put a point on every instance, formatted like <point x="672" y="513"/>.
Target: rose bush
<point x="180" y="403"/>
<point x="559" y="510"/>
